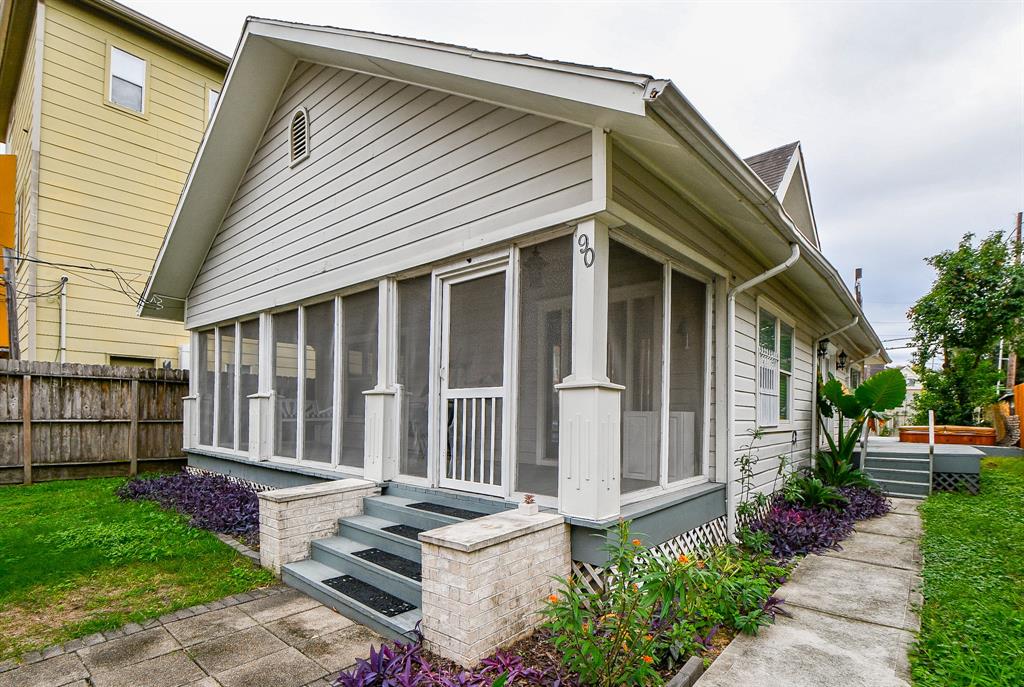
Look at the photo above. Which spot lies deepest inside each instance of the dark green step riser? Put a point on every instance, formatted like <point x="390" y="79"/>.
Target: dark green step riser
<point x="896" y="475"/>
<point x="424" y="520"/>
<point x="404" y="588"/>
<point x="465" y="501"/>
<point x="385" y="541"/>
<point x="375" y="621"/>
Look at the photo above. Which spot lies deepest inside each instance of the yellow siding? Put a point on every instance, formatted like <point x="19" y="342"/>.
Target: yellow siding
<point x="20" y="142"/>
<point x="108" y="183"/>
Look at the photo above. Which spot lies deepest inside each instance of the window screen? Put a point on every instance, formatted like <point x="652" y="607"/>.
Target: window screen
<point x="635" y="285"/>
<point x="318" y="378"/>
<point x="359" y="370"/>
<point x="127" y="79"/>
<point x="785" y="369"/>
<point x="686" y="377"/>
<point x="248" y="377"/>
<point x="226" y="388"/>
<point x="545" y="354"/>
<point x="413" y="371"/>
<point x="205" y="368"/>
<point x="285" y="377"/>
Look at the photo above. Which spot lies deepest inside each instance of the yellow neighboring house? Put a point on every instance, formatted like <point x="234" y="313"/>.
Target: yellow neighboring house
<point x="104" y="109"/>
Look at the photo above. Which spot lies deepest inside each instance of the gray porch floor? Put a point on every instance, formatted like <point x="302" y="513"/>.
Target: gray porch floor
<point x="854" y="615"/>
<point x="276" y="637"/>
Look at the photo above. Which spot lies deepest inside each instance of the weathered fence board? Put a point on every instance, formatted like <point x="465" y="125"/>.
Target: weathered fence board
<point x="73" y="420"/>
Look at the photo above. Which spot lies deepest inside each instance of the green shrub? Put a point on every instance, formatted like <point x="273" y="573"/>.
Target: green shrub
<point x="811" y="492"/>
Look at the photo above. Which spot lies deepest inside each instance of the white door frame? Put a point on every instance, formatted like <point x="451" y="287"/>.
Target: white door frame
<point x="485" y="265"/>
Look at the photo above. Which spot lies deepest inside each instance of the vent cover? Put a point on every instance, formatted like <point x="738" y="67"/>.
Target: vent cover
<point x="299" y="136"/>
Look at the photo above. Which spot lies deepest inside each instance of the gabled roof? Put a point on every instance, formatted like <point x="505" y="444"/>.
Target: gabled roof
<point x="647" y="116"/>
<point x="771" y="165"/>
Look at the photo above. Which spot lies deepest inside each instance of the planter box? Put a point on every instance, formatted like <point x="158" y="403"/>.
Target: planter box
<point x="950" y="434"/>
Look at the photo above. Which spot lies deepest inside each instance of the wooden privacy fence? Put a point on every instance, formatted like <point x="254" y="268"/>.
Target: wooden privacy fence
<point x="70" y="421"/>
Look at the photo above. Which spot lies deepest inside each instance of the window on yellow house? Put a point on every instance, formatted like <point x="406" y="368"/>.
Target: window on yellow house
<point x="127" y="80"/>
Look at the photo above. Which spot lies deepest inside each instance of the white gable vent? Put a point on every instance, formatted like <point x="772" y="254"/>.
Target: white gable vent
<point x="299" y="136"/>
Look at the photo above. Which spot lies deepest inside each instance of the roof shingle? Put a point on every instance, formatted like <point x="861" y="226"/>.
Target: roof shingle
<point x="771" y="165"/>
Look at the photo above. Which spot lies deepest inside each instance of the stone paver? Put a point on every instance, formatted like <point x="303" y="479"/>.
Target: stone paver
<point x="853" y="615"/>
<point x="276" y="637"/>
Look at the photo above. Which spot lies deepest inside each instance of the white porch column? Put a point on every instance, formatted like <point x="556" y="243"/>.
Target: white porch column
<point x="380" y="445"/>
<point x="261" y="406"/>
<point x="589" y="418"/>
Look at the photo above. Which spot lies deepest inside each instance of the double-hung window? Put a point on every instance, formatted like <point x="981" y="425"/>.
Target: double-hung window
<point x="774" y="369"/>
<point x="127" y="87"/>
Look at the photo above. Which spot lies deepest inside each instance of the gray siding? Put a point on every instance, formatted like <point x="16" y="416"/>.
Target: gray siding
<point x="398" y="176"/>
<point x="639" y="191"/>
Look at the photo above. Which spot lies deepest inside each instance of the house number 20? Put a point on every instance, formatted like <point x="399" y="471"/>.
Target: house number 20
<point x="585" y="250"/>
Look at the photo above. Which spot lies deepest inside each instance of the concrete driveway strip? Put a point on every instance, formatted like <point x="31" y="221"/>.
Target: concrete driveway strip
<point x="854" y="615"/>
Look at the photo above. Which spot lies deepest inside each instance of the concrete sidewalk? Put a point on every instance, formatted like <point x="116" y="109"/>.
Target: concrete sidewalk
<point x="275" y="637"/>
<point x="854" y="615"/>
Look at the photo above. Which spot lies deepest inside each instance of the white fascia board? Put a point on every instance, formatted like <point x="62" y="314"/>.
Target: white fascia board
<point x="679" y="114"/>
<point x="486" y="76"/>
<point x="251" y="89"/>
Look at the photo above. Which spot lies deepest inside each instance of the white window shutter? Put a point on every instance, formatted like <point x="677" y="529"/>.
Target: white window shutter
<point x="767" y="387"/>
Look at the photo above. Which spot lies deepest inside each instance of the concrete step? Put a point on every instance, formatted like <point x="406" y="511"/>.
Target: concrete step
<point x="308" y="576"/>
<point x="339" y="553"/>
<point x="396" y="509"/>
<point x="900" y="475"/>
<point x="369" y="530"/>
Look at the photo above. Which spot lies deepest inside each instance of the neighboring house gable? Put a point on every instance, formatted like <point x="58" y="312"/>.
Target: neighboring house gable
<point x="396" y="175"/>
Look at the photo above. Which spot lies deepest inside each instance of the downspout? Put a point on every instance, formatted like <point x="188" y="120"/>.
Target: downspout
<point x="814" y="387"/>
<point x="730" y="316"/>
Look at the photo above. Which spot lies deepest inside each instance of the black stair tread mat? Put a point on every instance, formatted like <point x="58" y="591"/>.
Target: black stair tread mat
<point x="450" y="511"/>
<point x="406" y="531"/>
<point x="397" y="564"/>
<point x="368" y="595"/>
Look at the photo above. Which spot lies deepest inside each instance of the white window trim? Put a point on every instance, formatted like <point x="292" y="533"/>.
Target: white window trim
<point x="108" y="86"/>
<point x="781" y="317"/>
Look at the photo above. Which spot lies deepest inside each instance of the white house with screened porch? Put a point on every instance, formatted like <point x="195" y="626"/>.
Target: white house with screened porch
<point x="447" y="279"/>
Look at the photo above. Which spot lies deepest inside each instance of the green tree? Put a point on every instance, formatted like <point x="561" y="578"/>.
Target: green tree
<point x="977" y="300"/>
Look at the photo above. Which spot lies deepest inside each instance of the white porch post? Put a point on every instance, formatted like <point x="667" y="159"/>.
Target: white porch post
<point x="380" y="446"/>
<point x="589" y="419"/>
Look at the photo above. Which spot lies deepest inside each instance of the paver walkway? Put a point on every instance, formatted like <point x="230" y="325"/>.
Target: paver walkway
<point x="854" y="615"/>
<point x="276" y="637"/>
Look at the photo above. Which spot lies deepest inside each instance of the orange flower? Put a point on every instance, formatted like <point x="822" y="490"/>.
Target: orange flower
<point x="636" y="587"/>
<point x="648" y="659"/>
<point x="683" y="558"/>
<point x="700" y="564"/>
<point x="553" y="598"/>
<point x="648" y="637"/>
<point x="637" y="542"/>
<point x="586" y="627"/>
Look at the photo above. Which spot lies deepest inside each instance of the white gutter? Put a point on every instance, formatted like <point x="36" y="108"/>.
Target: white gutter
<point x="730" y="431"/>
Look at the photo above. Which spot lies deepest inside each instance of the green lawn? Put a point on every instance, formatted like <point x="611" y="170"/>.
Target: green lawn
<point x="972" y="625"/>
<point x="75" y="559"/>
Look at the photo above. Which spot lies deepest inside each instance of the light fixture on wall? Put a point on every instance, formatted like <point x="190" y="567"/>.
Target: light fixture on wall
<point x="822" y="348"/>
<point x="841" y="361"/>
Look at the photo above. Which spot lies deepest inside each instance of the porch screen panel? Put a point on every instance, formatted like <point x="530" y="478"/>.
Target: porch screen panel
<point x="226" y="387"/>
<point x="248" y="377"/>
<point x="686" y="377"/>
<point x="205" y="369"/>
<point x="635" y="335"/>
<point x="545" y="356"/>
<point x="286" y="382"/>
<point x="318" y="381"/>
<point x="476" y="333"/>
<point x="359" y="370"/>
<point x="414" y="371"/>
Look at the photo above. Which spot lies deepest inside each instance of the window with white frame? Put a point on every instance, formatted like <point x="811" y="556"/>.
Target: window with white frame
<point x="774" y="369"/>
<point x="212" y="97"/>
<point x="127" y="87"/>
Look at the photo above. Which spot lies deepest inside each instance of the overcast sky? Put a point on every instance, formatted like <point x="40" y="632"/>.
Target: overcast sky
<point x="911" y="114"/>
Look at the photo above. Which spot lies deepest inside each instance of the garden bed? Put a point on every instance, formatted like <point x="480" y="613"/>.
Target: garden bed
<point x="77" y="559"/>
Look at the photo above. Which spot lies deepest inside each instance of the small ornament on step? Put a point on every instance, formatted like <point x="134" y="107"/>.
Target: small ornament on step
<point x="529" y="506"/>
